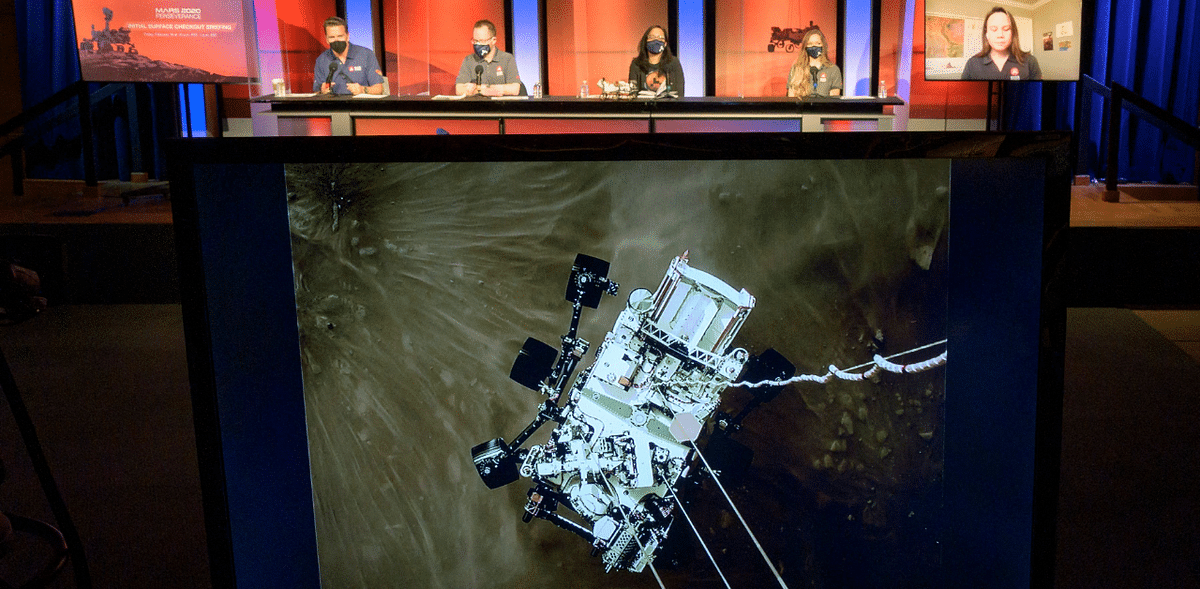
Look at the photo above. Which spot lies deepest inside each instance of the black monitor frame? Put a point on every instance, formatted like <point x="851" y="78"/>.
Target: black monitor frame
<point x="240" y="316"/>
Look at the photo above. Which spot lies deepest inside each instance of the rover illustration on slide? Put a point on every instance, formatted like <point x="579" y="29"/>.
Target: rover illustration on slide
<point x="108" y="39"/>
<point x="626" y="427"/>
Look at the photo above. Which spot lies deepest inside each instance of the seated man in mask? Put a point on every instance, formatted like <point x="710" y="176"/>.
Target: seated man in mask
<point x="345" y="68"/>
<point x="487" y="71"/>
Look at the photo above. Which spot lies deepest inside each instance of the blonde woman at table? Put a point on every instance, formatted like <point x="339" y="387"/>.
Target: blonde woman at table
<point x="812" y="73"/>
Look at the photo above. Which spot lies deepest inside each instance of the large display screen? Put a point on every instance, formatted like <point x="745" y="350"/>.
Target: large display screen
<point x="375" y="409"/>
<point x="1024" y="40"/>
<point x="193" y="41"/>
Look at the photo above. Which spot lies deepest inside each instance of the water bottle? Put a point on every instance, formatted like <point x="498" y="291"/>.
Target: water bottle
<point x="583" y="89"/>
<point x="537" y="90"/>
<point x="882" y="89"/>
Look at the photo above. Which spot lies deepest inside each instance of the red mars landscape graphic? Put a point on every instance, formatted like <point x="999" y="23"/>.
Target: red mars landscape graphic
<point x="164" y="41"/>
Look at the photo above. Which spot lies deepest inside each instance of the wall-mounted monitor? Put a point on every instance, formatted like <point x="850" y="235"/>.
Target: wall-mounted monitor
<point x="1008" y="40"/>
<point x="198" y="41"/>
<point x="526" y="361"/>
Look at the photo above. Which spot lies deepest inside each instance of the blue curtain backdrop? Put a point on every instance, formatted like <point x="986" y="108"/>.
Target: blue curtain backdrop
<point x="1153" y="48"/>
<point x="46" y="38"/>
<point x="48" y="63"/>
<point x="1149" y="46"/>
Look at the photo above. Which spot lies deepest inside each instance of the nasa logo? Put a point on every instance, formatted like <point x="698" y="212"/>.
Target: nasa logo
<point x="499" y="71"/>
<point x="822" y="78"/>
<point x="1014" y="73"/>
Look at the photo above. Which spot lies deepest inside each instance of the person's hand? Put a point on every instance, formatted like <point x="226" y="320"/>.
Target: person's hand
<point x="325" y="88"/>
<point x="355" y="89"/>
<point x="470" y="89"/>
<point x="490" y="90"/>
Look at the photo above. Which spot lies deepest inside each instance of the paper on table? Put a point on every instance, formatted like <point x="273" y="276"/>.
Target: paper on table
<point x="365" y="95"/>
<point x="450" y="97"/>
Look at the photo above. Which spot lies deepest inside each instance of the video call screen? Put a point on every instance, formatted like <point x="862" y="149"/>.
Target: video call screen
<point x="1047" y="33"/>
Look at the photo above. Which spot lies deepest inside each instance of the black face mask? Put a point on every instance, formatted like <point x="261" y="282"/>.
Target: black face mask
<point x="338" y="46"/>
<point x="655" y="46"/>
<point x="814" y="52"/>
<point x="482" y="50"/>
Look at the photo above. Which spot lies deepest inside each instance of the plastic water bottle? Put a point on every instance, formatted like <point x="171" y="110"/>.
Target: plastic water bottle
<point x="537" y="90"/>
<point x="882" y="89"/>
<point x="583" y="89"/>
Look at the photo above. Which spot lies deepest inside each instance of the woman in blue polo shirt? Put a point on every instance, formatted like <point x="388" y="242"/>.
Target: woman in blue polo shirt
<point x="1001" y="58"/>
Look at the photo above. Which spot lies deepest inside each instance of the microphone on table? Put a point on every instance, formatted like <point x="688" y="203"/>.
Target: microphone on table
<point x="332" y="69"/>
<point x="478" y="74"/>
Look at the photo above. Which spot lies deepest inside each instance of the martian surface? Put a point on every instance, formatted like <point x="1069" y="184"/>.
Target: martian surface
<point x="417" y="283"/>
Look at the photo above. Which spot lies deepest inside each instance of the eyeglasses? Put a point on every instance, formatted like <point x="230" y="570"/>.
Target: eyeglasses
<point x="656" y="38"/>
<point x="482" y="41"/>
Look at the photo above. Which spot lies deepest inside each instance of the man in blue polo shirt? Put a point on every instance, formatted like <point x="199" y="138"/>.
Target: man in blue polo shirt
<point x="345" y="68"/>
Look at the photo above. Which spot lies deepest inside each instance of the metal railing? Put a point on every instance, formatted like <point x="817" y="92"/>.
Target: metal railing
<point x="17" y="134"/>
<point x="1121" y="99"/>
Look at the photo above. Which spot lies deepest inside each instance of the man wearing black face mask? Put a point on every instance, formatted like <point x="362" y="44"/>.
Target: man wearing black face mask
<point x="487" y="70"/>
<point x="655" y="69"/>
<point x="345" y="68"/>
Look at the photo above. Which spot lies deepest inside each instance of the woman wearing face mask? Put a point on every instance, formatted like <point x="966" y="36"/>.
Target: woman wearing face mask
<point x="654" y="66"/>
<point x="1001" y="58"/>
<point x="812" y="73"/>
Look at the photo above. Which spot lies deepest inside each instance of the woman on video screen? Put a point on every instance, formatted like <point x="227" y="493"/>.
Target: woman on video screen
<point x="812" y="73"/>
<point x="1001" y="57"/>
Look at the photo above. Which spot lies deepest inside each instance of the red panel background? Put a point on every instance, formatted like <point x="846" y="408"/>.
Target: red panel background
<point x="302" y="38"/>
<point x="744" y="67"/>
<point x="568" y="126"/>
<point x="891" y="33"/>
<point x="940" y="100"/>
<point x="425" y="41"/>
<point x="425" y="126"/>
<point x="589" y="40"/>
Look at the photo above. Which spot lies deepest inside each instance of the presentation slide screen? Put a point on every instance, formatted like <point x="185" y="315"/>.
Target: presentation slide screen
<point x="1025" y="40"/>
<point x="374" y="322"/>
<point x="185" y="41"/>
